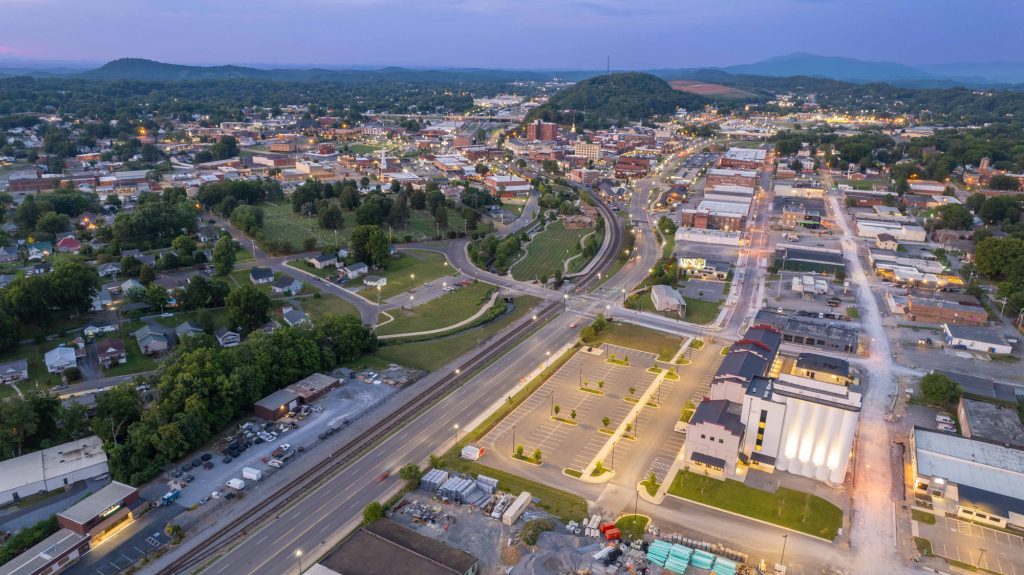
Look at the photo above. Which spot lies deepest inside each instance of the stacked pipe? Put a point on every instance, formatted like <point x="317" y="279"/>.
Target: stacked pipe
<point x="702" y="559"/>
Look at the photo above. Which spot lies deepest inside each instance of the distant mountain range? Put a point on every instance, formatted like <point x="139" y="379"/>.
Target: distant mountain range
<point x="994" y="74"/>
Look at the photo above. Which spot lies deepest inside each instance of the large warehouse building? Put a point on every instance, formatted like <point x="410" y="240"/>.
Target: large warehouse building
<point x="977" y="480"/>
<point x="53" y="468"/>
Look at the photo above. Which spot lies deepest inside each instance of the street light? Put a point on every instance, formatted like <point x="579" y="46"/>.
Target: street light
<point x="456" y="429"/>
<point x="983" y="550"/>
<point x="785" y="538"/>
<point x="513" y="440"/>
<point x="298" y="558"/>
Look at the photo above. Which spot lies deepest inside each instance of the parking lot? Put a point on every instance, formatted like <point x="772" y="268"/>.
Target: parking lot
<point x="354" y="398"/>
<point x="963" y="541"/>
<point x="565" y="445"/>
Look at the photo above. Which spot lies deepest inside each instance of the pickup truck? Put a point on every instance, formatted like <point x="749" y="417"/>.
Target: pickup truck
<point x="280" y="450"/>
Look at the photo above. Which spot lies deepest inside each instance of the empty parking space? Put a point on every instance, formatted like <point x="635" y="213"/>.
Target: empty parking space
<point x="584" y="391"/>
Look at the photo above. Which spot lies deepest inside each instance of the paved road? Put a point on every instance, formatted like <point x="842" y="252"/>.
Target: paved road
<point x="324" y="512"/>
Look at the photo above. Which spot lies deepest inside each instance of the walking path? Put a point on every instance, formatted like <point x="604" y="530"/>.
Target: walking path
<point x="487" y="306"/>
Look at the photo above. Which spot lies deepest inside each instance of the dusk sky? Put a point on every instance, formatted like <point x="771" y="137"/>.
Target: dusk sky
<point x="562" y="34"/>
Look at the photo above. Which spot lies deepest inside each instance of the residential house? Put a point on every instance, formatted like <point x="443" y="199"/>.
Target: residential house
<point x="293" y="316"/>
<point x="93" y="330"/>
<point x="108" y="269"/>
<point x="70" y="245"/>
<point x="342" y="254"/>
<point x="270" y="327"/>
<point x="60" y="358"/>
<point x="151" y="341"/>
<point x="286" y="285"/>
<point x="208" y="234"/>
<point x="111" y="352"/>
<point x="186" y="329"/>
<point x="9" y="254"/>
<point x="39" y="250"/>
<point x="323" y="261"/>
<point x="131" y="284"/>
<point x="227" y="338"/>
<point x="14" y="371"/>
<point x="355" y="270"/>
<point x="375" y="281"/>
<point x="260" y="276"/>
<point x="102" y="300"/>
<point x="40" y="269"/>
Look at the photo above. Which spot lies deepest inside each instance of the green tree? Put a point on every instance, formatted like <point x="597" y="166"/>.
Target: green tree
<point x="224" y="256"/>
<point x="411" y="473"/>
<point x="52" y="223"/>
<point x="441" y="217"/>
<point x="18" y="422"/>
<point x="331" y="218"/>
<point x="1001" y="182"/>
<point x="247" y="308"/>
<point x="939" y="389"/>
<point x="537" y="455"/>
<point x="955" y="217"/>
<point x="146" y="274"/>
<point x="572" y="414"/>
<point x="558" y="408"/>
<point x="373" y="512"/>
<point x="116" y="410"/>
<point x="72" y="285"/>
<point x="519" y="450"/>
<point x="606" y="421"/>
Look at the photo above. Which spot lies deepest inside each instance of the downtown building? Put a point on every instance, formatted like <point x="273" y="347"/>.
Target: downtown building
<point x="770" y="413"/>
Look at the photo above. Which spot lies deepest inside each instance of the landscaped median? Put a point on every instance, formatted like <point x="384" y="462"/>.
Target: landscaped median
<point x="787" y="508"/>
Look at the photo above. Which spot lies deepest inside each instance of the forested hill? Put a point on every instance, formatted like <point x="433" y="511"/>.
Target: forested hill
<point x="142" y="69"/>
<point x="615" y="99"/>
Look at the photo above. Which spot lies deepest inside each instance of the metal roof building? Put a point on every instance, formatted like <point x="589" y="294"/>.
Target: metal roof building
<point x="977" y="480"/>
<point x="53" y="468"/>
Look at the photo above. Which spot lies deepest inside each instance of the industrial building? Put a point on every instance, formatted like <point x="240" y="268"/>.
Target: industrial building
<point x="990" y="421"/>
<point x="985" y="340"/>
<point x="53" y="468"/>
<point x="385" y="547"/>
<point x="773" y="413"/>
<point x="305" y="391"/>
<point x="806" y="259"/>
<point x="822" y="334"/>
<point x="976" y="480"/>
<point x="101" y="512"/>
<point x="50" y="555"/>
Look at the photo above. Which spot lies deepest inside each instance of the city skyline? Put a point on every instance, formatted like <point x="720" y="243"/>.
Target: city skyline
<point x="522" y="35"/>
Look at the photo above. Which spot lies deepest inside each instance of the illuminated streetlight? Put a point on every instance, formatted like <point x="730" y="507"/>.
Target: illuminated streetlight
<point x="298" y="558"/>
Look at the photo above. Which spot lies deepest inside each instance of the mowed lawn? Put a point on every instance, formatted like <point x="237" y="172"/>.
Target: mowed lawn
<point x="702" y="312"/>
<point x="282" y="224"/>
<point x="640" y="338"/>
<point x="786" y="507"/>
<point x="547" y="251"/>
<point x="432" y="354"/>
<point x="449" y="309"/>
<point x="413" y="269"/>
<point x="326" y="303"/>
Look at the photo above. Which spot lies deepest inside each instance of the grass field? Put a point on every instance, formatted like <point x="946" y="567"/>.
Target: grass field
<point x="137" y="363"/>
<point x="326" y="303"/>
<point x="702" y="312"/>
<point x="792" y="509"/>
<point x="432" y="354"/>
<point x="632" y="526"/>
<point x="362" y="149"/>
<point x="641" y="338"/>
<point x="548" y="251"/>
<point x="413" y="269"/>
<point x="282" y="224"/>
<point x="446" y="310"/>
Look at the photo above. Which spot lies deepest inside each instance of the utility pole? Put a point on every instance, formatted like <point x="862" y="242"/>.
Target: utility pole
<point x="782" y="559"/>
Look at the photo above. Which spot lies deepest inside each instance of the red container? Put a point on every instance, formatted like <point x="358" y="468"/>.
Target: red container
<point x="612" y="534"/>
<point x="606" y="526"/>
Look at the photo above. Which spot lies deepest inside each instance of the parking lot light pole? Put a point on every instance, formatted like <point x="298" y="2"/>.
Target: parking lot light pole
<point x="782" y="559"/>
<point x="456" y="428"/>
<point x="298" y="558"/>
<point x="513" y="440"/>
<point x="552" y="410"/>
<point x="980" y="557"/>
<point x="613" y="454"/>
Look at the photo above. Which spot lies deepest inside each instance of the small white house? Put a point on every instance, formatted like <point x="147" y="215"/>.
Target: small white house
<point x="355" y="270"/>
<point x="981" y="339"/>
<point x="60" y="358"/>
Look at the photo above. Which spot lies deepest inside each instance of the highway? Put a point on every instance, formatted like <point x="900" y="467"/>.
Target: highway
<point x="320" y="515"/>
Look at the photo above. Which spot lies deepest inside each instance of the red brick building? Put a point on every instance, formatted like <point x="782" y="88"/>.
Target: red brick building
<point x="544" y="131"/>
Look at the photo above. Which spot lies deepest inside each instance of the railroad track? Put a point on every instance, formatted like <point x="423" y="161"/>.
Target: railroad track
<point x="355" y="448"/>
